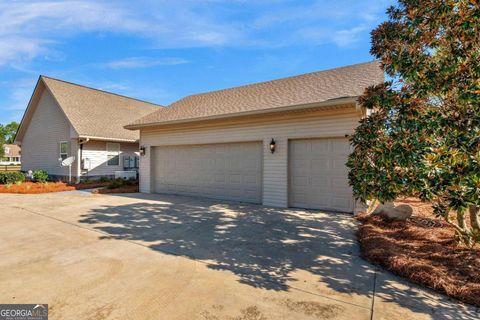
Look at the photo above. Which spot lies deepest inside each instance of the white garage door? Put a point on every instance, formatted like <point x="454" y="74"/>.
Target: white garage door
<point x="225" y="171"/>
<point x="318" y="176"/>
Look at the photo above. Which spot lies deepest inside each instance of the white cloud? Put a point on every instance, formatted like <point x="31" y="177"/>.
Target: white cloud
<point x="341" y="22"/>
<point x="61" y="16"/>
<point x="37" y="28"/>
<point x="28" y="29"/>
<point x="142" y="62"/>
<point x="18" y="48"/>
<point x="348" y="37"/>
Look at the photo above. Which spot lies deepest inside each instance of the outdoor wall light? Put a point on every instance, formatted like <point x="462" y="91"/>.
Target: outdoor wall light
<point x="272" y="145"/>
<point x="143" y="150"/>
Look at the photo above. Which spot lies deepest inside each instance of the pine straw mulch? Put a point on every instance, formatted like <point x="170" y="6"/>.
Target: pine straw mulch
<point x="36" y="187"/>
<point x="423" y="250"/>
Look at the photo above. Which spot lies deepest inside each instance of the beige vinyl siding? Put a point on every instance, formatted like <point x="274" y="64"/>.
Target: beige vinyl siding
<point x="96" y="152"/>
<point x="297" y="125"/>
<point x="40" y="145"/>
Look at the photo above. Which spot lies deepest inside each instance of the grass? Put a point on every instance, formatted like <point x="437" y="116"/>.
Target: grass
<point x="423" y="250"/>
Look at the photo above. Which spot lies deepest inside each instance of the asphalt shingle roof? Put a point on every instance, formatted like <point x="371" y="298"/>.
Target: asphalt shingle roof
<point x="315" y="87"/>
<point x="13" y="150"/>
<point x="96" y="113"/>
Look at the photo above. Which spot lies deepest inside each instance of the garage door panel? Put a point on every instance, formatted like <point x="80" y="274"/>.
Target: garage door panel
<point x="318" y="174"/>
<point x="340" y="183"/>
<point x="250" y="179"/>
<point x="319" y="147"/>
<point x="341" y="149"/>
<point x="321" y="184"/>
<point x="299" y="181"/>
<point x="226" y="171"/>
<point x="300" y="150"/>
<point x="300" y="166"/>
<point x="344" y="204"/>
<point x="220" y="178"/>
<point x="323" y="165"/>
<point x="235" y="179"/>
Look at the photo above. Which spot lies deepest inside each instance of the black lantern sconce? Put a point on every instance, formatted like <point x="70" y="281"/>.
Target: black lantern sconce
<point x="143" y="150"/>
<point x="272" y="145"/>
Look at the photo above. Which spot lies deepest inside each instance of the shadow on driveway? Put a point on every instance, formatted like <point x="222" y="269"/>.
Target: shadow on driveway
<point x="263" y="246"/>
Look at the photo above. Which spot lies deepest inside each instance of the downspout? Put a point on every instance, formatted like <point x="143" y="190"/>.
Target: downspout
<point x="81" y="142"/>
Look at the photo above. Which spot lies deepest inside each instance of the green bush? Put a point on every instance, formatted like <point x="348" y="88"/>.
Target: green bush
<point x="117" y="183"/>
<point x="11" y="177"/>
<point x="40" y="176"/>
<point x="104" y="179"/>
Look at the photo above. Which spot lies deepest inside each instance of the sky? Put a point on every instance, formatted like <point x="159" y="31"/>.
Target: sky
<point x="161" y="51"/>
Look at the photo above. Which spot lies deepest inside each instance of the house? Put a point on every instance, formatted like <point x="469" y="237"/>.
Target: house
<point x="65" y="120"/>
<point x="11" y="155"/>
<point x="280" y="143"/>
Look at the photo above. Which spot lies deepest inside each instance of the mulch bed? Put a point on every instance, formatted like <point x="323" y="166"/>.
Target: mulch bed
<point x="423" y="250"/>
<point x="35" y="187"/>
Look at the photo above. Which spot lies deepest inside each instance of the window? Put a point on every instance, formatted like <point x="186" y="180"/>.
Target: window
<point x="113" y="154"/>
<point x="63" y="150"/>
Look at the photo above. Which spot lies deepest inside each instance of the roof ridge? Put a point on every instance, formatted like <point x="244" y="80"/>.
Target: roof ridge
<point x="274" y="80"/>
<point x="100" y="90"/>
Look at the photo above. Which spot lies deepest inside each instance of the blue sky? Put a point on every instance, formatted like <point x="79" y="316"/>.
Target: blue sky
<point x="160" y="51"/>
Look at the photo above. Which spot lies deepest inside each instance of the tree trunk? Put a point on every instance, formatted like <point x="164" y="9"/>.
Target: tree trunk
<point x="475" y="218"/>
<point x="461" y="220"/>
<point x="462" y="230"/>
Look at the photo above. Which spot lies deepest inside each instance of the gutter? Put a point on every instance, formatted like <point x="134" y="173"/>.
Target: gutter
<point x="106" y="139"/>
<point x="328" y="103"/>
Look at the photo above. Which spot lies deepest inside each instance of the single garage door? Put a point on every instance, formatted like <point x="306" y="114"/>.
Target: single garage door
<point x="224" y="171"/>
<point x="318" y="176"/>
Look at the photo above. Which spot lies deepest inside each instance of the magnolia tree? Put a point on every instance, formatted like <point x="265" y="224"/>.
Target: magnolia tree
<point x="423" y="135"/>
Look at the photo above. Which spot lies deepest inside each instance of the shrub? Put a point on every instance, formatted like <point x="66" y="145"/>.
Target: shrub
<point x="117" y="183"/>
<point x="104" y="179"/>
<point x="40" y="176"/>
<point x="11" y="177"/>
<point x="131" y="182"/>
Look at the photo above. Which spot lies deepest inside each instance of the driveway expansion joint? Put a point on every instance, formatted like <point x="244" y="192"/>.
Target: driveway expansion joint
<point x="176" y="254"/>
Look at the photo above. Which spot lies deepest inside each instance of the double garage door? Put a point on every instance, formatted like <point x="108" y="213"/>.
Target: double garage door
<point x="317" y="175"/>
<point x="224" y="171"/>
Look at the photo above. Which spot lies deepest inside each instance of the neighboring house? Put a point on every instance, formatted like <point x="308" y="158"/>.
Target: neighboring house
<point x="218" y="144"/>
<point x="65" y="119"/>
<point x="11" y="155"/>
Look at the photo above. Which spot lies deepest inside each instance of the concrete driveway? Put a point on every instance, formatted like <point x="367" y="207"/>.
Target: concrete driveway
<point x="140" y="256"/>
